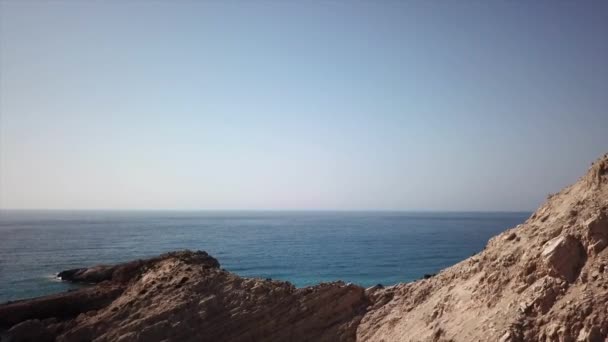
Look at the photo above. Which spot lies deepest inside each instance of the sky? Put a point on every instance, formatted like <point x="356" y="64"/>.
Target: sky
<point x="285" y="105"/>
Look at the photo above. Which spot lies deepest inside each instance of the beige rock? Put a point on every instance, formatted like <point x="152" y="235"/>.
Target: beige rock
<point x="597" y="231"/>
<point x="516" y="284"/>
<point x="564" y="256"/>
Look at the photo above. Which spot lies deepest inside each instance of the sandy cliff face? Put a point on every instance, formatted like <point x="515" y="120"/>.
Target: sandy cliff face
<point x="544" y="280"/>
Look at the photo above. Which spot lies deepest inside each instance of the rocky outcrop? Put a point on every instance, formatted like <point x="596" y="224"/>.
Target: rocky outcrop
<point x="185" y="296"/>
<point x="122" y="273"/>
<point x="544" y="280"/>
<point x="111" y="283"/>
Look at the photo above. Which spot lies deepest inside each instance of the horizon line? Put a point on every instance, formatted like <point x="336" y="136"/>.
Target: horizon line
<point x="270" y="210"/>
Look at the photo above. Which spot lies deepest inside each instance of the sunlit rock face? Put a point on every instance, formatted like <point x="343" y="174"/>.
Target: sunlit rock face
<point x="544" y="280"/>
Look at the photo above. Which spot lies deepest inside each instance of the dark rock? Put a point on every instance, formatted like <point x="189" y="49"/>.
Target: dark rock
<point x="122" y="273"/>
<point x="91" y="275"/>
<point x="30" y="331"/>
<point x="62" y="305"/>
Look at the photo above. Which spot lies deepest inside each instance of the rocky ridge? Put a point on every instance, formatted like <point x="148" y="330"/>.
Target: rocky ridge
<point x="544" y="280"/>
<point x="184" y="296"/>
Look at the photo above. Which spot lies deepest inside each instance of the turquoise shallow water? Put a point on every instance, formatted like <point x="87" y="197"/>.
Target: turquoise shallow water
<point x="302" y="247"/>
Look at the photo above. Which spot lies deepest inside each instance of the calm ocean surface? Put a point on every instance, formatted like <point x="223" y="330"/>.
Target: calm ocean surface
<point x="304" y="248"/>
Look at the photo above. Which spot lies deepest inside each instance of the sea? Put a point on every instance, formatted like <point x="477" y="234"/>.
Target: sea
<point x="303" y="247"/>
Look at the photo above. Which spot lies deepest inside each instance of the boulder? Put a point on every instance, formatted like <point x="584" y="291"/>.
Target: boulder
<point x="564" y="256"/>
<point x="597" y="232"/>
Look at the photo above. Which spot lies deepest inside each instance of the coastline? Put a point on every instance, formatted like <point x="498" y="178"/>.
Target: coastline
<point x="305" y="249"/>
<point x="545" y="279"/>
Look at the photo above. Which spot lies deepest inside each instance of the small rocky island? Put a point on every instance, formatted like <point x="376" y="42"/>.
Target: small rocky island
<point x="544" y="280"/>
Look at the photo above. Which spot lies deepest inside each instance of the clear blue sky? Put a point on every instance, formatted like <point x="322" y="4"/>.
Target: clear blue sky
<point x="446" y="105"/>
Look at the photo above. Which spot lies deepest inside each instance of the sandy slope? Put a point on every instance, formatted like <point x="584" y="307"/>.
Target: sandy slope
<point x="544" y="280"/>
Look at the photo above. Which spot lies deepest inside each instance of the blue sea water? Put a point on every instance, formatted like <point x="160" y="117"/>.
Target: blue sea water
<point x="304" y="248"/>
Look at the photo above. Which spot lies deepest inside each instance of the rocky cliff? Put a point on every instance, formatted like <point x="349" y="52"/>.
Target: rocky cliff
<point x="544" y="280"/>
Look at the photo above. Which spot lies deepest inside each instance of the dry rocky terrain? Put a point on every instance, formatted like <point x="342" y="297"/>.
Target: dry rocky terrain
<point x="544" y="280"/>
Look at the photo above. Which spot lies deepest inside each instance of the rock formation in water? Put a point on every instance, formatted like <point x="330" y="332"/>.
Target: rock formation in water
<point x="544" y="280"/>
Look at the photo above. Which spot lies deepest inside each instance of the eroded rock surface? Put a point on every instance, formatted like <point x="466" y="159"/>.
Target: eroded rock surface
<point x="544" y="280"/>
<point x="185" y="296"/>
<point x="564" y="256"/>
